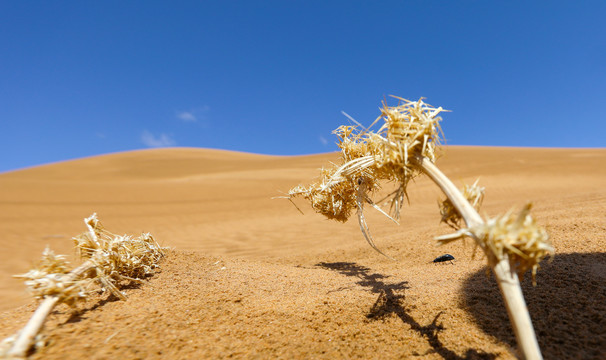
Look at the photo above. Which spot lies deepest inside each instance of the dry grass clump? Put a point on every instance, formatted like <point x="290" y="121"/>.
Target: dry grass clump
<point x="117" y="257"/>
<point x="109" y="259"/>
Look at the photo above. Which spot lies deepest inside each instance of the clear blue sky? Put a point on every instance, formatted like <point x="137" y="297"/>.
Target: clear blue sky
<point x="81" y="78"/>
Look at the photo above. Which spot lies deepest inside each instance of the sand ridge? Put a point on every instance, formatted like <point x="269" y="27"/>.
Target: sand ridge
<point x="250" y="276"/>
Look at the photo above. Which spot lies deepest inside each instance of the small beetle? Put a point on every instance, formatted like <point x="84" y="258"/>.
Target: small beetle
<point x="444" y="258"/>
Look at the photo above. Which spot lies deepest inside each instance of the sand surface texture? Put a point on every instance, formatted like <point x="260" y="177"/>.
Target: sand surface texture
<point x="251" y="277"/>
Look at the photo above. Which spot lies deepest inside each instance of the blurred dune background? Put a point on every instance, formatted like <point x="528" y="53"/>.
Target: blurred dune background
<point x="250" y="276"/>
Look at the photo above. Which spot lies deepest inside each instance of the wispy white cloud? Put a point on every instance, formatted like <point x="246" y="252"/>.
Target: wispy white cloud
<point x="187" y="116"/>
<point x="150" y="140"/>
<point x="193" y="115"/>
<point x="323" y="140"/>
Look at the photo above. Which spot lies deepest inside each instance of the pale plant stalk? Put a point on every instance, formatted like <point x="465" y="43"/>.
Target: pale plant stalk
<point x="507" y="279"/>
<point x="27" y="335"/>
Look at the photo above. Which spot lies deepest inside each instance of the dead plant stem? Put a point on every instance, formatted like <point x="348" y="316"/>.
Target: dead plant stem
<point x="507" y="279"/>
<point x="27" y="335"/>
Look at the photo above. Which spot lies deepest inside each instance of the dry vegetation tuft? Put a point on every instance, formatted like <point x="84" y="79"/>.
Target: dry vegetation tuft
<point x="109" y="259"/>
<point x="405" y="146"/>
<point x="411" y="129"/>
<point x="117" y="257"/>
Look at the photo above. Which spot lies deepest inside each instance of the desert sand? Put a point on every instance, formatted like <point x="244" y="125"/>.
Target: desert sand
<point x="249" y="276"/>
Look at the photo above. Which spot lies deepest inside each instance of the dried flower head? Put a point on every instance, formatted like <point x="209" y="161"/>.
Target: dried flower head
<point x="474" y="194"/>
<point x="334" y="202"/>
<point x="516" y="236"/>
<point x="411" y="129"/>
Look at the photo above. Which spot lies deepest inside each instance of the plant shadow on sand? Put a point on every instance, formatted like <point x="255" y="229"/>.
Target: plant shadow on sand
<point x="390" y="301"/>
<point x="78" y="314"/>
<point x="567" y="306"/>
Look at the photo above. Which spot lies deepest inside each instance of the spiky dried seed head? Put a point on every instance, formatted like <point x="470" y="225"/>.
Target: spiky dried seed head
<point x="474" y="194"/>
<point x="525" y="242"/>
<point x="410" y="129"/>
<point x="517" y="237"/>
<point x="334" y="199"/>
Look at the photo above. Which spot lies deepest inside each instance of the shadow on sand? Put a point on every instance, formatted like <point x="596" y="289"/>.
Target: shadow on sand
<point x="567" y="307"/>
<point x="79" y="314"/>
<point x="390" y="301"/>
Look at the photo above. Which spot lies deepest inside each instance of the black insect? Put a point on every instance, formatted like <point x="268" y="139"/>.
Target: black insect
<point x="444" y="258"/>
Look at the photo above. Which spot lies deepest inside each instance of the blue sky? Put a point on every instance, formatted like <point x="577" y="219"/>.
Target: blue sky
<point x="81" y="78"/>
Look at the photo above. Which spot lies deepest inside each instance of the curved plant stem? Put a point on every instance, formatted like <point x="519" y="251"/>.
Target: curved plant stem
<point x="27" y="335"/>
<point x="507" y="279"/>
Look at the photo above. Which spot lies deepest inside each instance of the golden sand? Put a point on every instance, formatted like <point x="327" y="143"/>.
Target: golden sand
<point x="250" y="276"/>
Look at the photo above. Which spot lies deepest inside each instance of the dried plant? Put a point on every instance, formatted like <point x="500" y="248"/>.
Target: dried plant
<point x="405" y="146"/>
<point x="117" y="257"/>
<point x="109" y="259"/>
<point x="474" y="194"/>
<point x="516" y="236"/>
<point x="410" y="130"/>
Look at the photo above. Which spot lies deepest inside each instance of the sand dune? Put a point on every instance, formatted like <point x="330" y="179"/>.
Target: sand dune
<point x="250" y="276"/>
